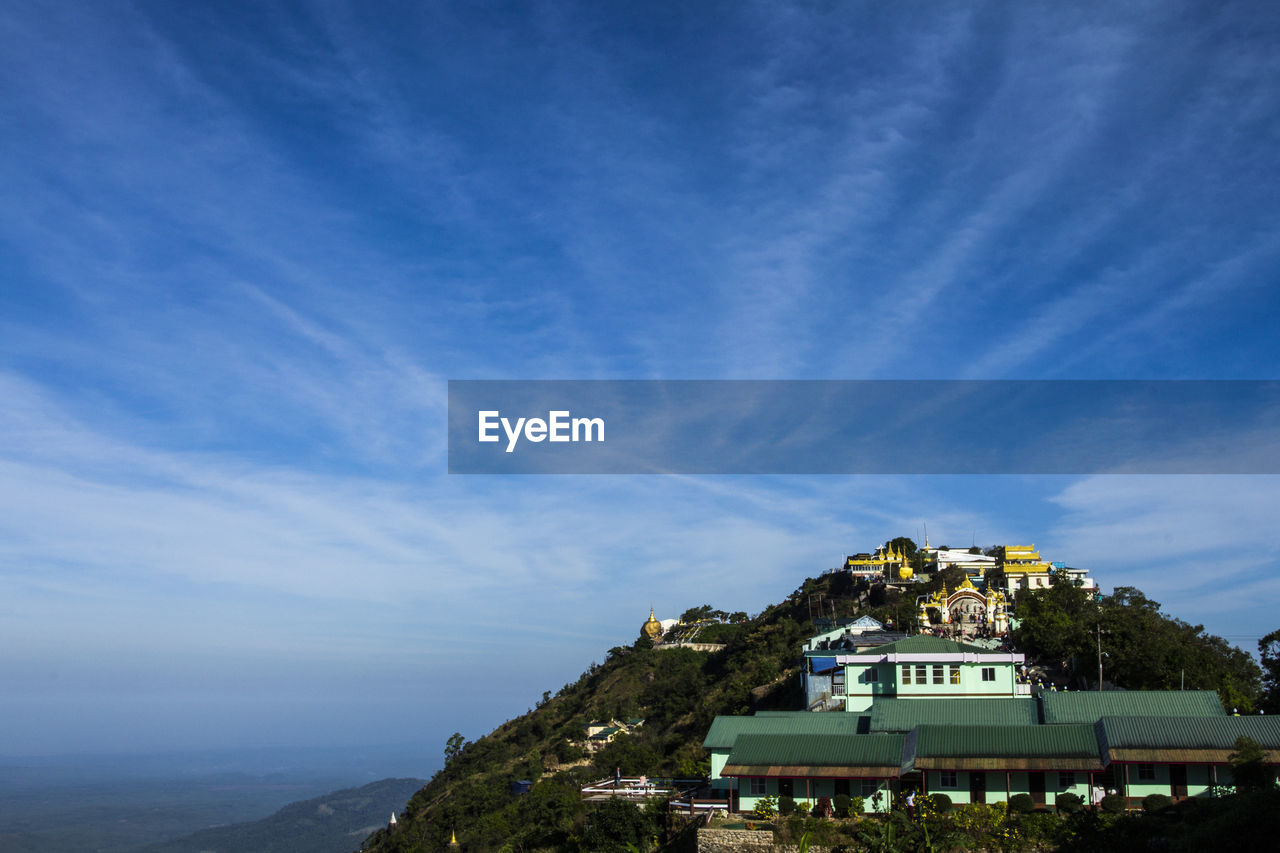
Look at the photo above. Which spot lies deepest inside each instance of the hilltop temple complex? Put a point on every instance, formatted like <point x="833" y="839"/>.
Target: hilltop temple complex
<point x="888" y="712"/>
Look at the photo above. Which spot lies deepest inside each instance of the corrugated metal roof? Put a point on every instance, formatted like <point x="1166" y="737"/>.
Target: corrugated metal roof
<point x="725" y="731"/>
<point x="926" y="644"/>
<point x="1022" y="741"/>
<point x="903" y="715"/>
<point x="1217" y="733"/>
<point x="815" y="750"/>
<point x="1091" y="706"/>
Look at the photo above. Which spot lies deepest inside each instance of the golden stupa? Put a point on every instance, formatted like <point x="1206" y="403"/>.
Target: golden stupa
<point x="652" y="627"/>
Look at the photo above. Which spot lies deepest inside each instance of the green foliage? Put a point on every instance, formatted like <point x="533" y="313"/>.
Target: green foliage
<point x="940" y="802"/>
<point x="1113" y="804"/>
<point x="1068" y="803"/>
<point x="454" y="746"/>
<point x="1249" y="769"/>
<point x="702" y="614"/>
<point x="618" y="826"/>
<point x="1269" y="652"/>
<point x="1145" y="649"/>
<point x="1022" y="803"/>
<point x="1054" y="623"/>
<point x="786" y="805"/>
<point x="842" y="804"/>
<point x="1156" y="803"/>
<point x="766" y="807"/>
<point x="857" y="805"/>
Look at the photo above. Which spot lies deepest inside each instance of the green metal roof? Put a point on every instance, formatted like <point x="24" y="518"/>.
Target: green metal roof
<point x="1187" y="732"/>
<point x="725" y="731"/>
<point x="817" y="750"/>
<point x="1091" y="706"/>
<point x="928" y="644"/>
<point x="1079" y="741"/>
<point x="903" y="715"/>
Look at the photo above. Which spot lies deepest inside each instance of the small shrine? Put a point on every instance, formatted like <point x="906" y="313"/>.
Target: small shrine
<point x="966" y="608"/>
<point x="886" y="561"/>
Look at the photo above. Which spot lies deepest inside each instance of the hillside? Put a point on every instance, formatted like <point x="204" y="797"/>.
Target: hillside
<point x="333" y="823"/>
<point x="677" y="692"/>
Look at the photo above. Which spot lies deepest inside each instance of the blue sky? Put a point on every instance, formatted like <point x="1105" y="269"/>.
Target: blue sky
<point x="244" y="246"/>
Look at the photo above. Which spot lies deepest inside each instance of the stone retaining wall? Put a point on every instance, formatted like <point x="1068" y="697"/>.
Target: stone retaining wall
<point x="743" y="841"/>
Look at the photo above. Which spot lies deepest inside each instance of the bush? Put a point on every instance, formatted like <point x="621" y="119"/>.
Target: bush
<point x="1153" y="803"/>
<point x="842" y="804"/>
<point x="857" y="805"/>
<point x="1113" y="804"/>
<point x="766" y="807"/>
<point x="823" y="808"/>
<point x="1022" y="803"/>
<point x="786" y="805"/>
<point x="802" y="808"/>
<point x="1068" y="803"/>
<point x="941" y="803"/>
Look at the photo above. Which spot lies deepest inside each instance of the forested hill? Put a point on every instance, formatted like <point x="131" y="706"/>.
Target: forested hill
<point x="677" y="692"/>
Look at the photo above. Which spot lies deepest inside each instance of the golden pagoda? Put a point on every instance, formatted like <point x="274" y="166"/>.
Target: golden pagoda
<point x="652" y="628"/>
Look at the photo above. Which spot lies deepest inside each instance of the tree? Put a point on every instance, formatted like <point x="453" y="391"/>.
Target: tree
<point x="696" y="614"/>
<point x="1055" y="623"/>
<point x="618" y="825"/>
<point x="454" y="746"/>
<point x="1248" y="766"/>
<point x="1269" y="650"/>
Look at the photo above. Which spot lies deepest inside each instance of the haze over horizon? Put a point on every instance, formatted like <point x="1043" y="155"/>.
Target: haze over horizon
<point x="243" y="247"/>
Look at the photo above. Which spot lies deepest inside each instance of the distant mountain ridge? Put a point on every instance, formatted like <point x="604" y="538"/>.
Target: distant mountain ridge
<point x="333" y="823"/>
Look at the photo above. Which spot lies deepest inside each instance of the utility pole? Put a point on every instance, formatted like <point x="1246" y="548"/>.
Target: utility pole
<point x="1099" y="657"/>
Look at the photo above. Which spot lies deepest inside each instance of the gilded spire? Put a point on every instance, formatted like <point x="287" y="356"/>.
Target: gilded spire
<point x="651" y="627"/>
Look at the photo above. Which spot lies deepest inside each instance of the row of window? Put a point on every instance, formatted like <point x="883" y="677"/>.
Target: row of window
<point x="947" y="779"/>
<point x="866" y="788"/>
<point x="923" y="673"/>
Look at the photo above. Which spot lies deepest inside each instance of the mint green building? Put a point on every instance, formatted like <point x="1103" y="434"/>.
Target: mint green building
<point x="986" y="749"/>
<point x="921" y="667"/>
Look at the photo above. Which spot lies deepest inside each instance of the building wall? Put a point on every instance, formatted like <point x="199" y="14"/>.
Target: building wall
<point x="818" y="788"/>
<point x="1199" y="780"/>
<point x="999" y="791"/>
<point x="890" y="683"/>
<point x="861" y="691"/>
<point x="718" y="759"/>
<point x="1138" y="788"/>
